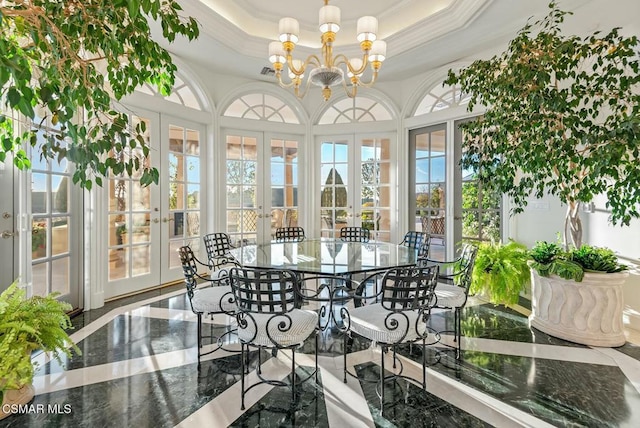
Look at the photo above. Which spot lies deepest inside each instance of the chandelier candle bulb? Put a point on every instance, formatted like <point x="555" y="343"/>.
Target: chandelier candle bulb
<point x="367" y="29"/>
<point x="329" y="19"/>
<point x="289" y="30"/>
<point x="276" y="53"/>
<point x="378" y="51"/>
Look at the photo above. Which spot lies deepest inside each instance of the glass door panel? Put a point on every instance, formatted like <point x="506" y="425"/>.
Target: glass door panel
<point x="335" y="207"/>
<point x="428" y="178"/>
<point x="284" y="184"/>
<point x="241" y="189"/>
<point x="130" y="227"/>
<point x="481" y="211"/>
<point x="181" y="224"/>
<point x="375" y="191"/>
<point x="53" y="227"/>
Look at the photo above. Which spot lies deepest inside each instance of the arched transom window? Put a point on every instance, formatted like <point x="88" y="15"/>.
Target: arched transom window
<point x="261" y="107"/>
<point x="181" y="94"/>
<point x="353" y="110"/>
<point x="440" y="98"/>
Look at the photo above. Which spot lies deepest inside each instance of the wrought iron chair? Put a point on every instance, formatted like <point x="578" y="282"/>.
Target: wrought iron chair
<point x="268" y="319"/>
<point x="217" y="299"/>
<point x="218" y="246"/>
<point x="355" y="234"/>
<point x="452" y="290"/>
<point x="290" y="234"/>
<point x="418" y="240"/>
<point x="396" y="315"/>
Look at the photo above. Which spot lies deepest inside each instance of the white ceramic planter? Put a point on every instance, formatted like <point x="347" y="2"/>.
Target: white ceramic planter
<point x="587" y="312"/>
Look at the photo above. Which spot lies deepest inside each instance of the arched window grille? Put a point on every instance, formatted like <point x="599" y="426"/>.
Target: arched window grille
<point x="261" y="107"/>
<point x="354" y="110"/>
<point x="181" y="94"/>
<point x="440" y="98"/>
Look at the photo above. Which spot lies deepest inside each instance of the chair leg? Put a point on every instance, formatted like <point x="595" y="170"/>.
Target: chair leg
<point x="199" y="335"/>
<point x="316" y="375"/>
<point x="458" y="332"/>
<point x="394" y="357"/>
<point x="382" y="381"/>
<point x="293" y="375"/>
<point x="242" y="377"/>
<point x="344" y="356"/>
<point x="424" y="363"/>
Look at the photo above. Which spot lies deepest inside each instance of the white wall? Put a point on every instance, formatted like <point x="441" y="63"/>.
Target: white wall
<point x="624" y="241"/>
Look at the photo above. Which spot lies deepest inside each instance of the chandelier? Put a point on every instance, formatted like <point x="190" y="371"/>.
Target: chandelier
<point x="330" y="70"/>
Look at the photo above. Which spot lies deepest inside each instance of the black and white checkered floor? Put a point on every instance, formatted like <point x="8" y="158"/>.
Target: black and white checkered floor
<point x="139" y="369"/>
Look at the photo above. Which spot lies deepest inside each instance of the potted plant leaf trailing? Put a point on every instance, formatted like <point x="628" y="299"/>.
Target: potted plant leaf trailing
<point x="27" y="325"/>
<point x="500" y="272"/>
<point x="562" y="118"/>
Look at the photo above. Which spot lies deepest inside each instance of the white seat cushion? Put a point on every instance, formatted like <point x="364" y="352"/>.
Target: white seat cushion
<point x="450" y="296"/>
<point x="217" y="274"/>
<point x="303" y="323"/>
<point x="209" y="299"/>
<point x="369" y="322"/>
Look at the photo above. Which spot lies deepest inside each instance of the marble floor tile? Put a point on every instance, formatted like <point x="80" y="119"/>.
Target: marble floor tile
<point x="139" y="368"/>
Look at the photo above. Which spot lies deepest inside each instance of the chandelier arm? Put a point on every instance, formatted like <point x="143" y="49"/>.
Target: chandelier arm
<point x="311" y="59"/>
<point x="369" y="84"/>
<point x="342" y="59"/>
<point x="350" y="93"/>
<point x="284" y="84"/>
<point x="299" y="94"/>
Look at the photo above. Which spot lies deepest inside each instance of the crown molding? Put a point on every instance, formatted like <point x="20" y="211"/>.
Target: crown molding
<point x="458" y="15"/>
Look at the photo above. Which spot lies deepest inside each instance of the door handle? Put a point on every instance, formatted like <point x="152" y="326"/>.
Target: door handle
<point x="6" y="234"/>
<point x="166" y="220"/>
<point x="155" y="220"/>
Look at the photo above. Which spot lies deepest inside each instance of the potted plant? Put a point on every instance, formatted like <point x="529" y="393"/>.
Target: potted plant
<point x="561" y="119"/>
<point x="25" y="326"/>
<point x="577" y="294"/>
<point x="500" y="271"/>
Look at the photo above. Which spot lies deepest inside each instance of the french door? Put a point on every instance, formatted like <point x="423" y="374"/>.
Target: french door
<point x="440" y="186"/>
<point x="261" y="185"/>
<point x="146" y="225"/>
<point x="355" y="185"/>
<point x="430" y="187"/>
<point x="8" y="226"/>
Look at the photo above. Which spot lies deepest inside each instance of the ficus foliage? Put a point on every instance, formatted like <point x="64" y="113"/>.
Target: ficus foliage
<point x="562" y="117"/>
<point x="64" y="62"/>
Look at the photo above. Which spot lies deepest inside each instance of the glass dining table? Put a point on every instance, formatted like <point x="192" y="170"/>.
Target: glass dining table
<point x="330" y="265"/>
<point x="326" y="256"/>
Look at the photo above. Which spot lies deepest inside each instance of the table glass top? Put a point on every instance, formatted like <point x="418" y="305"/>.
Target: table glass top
<point x="326" y="256"/>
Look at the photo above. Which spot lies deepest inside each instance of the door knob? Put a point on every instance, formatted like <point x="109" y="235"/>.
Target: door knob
<point x="155" y="220"/>
<point x="6" y="234"/>
<point x="6" y="215"/>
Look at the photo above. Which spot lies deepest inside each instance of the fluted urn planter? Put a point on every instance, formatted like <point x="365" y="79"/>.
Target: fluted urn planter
<point x="587" y="312"/>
